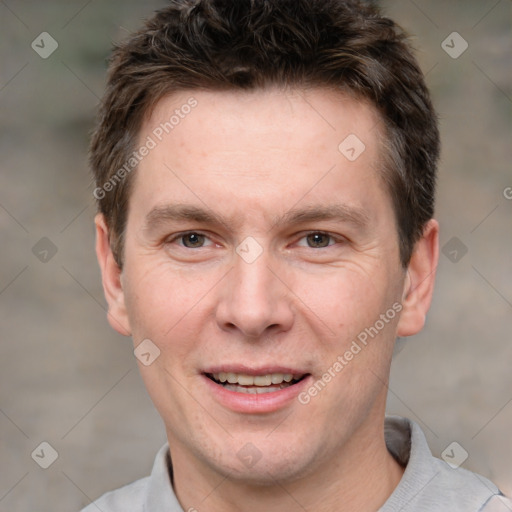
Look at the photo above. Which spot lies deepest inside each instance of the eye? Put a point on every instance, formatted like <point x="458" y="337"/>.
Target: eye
<point x="318" y="240"/>
<point x="191" y="240"/>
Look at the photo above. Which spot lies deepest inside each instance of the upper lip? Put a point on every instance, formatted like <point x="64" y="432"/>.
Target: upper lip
<point x="251" y="370"/>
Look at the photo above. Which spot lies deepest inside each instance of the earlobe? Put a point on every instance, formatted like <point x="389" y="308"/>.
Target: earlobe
<point x="419" y="281"/>
<point x="111" y="279"/>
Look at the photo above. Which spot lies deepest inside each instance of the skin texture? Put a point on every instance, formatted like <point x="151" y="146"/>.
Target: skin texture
<point x="250" y="157"/>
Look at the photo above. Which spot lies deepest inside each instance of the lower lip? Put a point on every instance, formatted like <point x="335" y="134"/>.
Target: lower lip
<point x="256" y="403"/>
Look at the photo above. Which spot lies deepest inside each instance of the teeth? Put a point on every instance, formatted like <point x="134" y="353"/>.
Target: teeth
<point x="232" y="378"/>
<point x="277" y="378"/>
<point x="264" y="381"/>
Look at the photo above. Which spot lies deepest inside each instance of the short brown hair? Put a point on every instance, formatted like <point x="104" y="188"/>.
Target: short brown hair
<point x="249" y="44"/>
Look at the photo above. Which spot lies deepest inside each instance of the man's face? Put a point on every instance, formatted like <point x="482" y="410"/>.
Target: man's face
<point x="269" y="284"/>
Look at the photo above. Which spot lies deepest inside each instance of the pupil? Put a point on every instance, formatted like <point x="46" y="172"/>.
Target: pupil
<point x="316" y="239"/>
<point x="193" y="238"/>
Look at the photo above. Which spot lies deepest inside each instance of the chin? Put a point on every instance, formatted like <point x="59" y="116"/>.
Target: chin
<point x="268" y="474"/>
<point x="252" y="466"/>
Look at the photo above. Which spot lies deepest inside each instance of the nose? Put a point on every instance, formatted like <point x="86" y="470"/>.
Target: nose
<point x="254" y="300"/>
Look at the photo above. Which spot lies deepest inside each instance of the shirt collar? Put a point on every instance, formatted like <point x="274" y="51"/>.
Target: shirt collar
<point x="160" y="494"/>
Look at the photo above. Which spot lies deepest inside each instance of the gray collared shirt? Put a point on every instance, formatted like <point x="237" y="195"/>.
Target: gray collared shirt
<point x="428" y="484"/>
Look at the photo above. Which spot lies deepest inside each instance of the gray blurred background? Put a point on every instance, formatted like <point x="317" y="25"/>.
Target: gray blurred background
<point x="69" y="380"/>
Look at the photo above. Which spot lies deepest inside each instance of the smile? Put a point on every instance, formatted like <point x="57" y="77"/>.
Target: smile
<point x="255" y="384"/>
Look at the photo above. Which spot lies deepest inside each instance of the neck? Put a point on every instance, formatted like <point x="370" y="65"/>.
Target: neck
<point x="360" y="476"/>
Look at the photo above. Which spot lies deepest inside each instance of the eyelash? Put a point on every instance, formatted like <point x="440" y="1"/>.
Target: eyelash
<point x="183" y="235"/>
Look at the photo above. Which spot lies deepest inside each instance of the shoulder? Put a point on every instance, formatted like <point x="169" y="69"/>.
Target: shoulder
<point x="153" y="492"/>
<point x="458" y="487"/>
<point x="129" y="498"/>
<point x="431" y="484"/>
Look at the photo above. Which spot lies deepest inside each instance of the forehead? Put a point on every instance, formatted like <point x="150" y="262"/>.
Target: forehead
<point x="261" y="114"/>
<point x="269" y="148"/>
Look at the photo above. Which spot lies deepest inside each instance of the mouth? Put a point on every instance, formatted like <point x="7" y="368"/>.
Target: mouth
<point x="255" y="384"/>
<point x="249" y="390"/>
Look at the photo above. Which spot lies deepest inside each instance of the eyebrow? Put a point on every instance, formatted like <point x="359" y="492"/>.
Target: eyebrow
<point x="161" y="215"/>
<point x="335" y="212"/>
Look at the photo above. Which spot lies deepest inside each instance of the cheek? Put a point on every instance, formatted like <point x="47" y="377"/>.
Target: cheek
<point x="345" y="300"/>
<point x="161" y="301"/>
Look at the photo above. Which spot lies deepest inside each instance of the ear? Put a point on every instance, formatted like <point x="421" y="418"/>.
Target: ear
<point x="111" y="279"/>
<point x="419" y="282"/>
